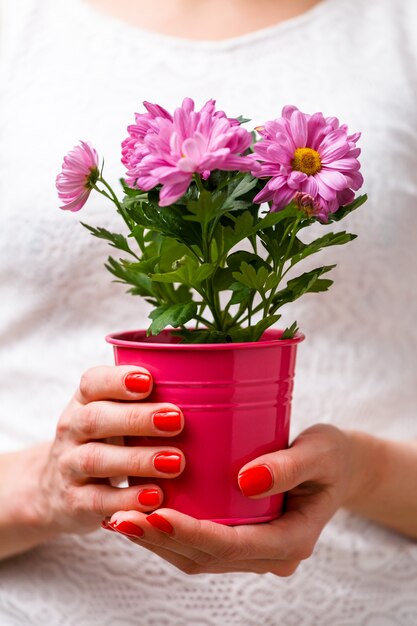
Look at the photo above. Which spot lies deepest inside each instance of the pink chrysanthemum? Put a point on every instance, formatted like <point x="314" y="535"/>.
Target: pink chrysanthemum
<point x="134" y="147"/>
<point x="78" y="176"/>
<point x="310" y="155"/>
<point x="167" y="150"/>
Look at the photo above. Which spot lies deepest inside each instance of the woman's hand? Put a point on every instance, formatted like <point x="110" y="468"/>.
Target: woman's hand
<point x="75" y="493"/>
<point x="319" y="471"/>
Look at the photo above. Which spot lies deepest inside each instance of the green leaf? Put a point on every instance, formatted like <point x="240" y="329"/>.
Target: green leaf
<point x="132" y="193"/>
<point x="182" y="294"/>
<point x="275" y="217"/>
<point x="146" y="266"/>
<point x="190" y="273"/>
<point x="330" y="239"/>
<point x="271" y="282"/>
<point x="239" y="335"/>
<point x="222" y="279"/>
<point x="205" y="207"/>
<point x="308" y="282"/>
<point x="168" y="221"/>
<point x="259" y="328"/>
<point x="235" y="259"/>
<point x="202" y="336"/>
<point x="239" y="186"/>
<point x="242" y="120"/>
<point x="321" y="284"/>
<point x="116" y="240"/>
<point x="253" y="333"/>
<point x="171" y="254"/>
<point x="171" y="315"/>
<point x="345" y="210"/>
<point x="252" y="278"/>
<point x="240" y="293"/>
<point x="290" y="331"/>
<point x="202" y="273"/>
<point x="242" y="228"/>
<point x="126" y="274"/>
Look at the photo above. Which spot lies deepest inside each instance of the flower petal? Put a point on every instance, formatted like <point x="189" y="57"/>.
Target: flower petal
<point x="298" y="125"/>
<point x="311" y="186"/>
<point x="334" y="180"/>
<point x="296" y="180"/>
<point x="171" y="193"/>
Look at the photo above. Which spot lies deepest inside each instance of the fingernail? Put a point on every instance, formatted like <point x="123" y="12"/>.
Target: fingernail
<point x="137" y="382"/>
<point x="167" y="419"/>
<point x="255" y="480"/>
<point x="159" y="522"/>
<point x="167" y="462"/>
<point x="127" y="528"/>
<point x="149" y="497"/>
<point x="105" y="525"/>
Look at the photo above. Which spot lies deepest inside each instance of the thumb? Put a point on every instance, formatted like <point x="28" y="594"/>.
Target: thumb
<point x="307" y="459"/>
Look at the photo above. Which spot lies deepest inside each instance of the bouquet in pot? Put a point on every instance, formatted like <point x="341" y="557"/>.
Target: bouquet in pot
<point x="192" y="195"/>
<point x="215" y="266"/>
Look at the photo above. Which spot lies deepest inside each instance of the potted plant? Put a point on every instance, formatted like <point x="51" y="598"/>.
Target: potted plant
<point x="214" y="263"/>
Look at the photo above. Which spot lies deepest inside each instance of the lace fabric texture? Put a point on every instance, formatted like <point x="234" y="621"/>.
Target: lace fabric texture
<point x="69" y="73"/>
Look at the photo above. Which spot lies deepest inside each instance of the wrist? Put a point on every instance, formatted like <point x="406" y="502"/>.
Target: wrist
<point x="366" y="467"/>
<point x="24" y="504"/>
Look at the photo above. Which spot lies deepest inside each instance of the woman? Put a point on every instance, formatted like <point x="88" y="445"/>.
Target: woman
<point x="78" y="69"/>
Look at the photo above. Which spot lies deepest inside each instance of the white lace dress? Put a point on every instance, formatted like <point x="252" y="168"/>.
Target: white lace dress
<point x="70" y="73"/>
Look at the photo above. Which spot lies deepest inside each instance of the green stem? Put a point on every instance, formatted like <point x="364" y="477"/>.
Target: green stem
<point x="249" y="315"/>
<point x="236" y="319"/>
<point x="199" y="182"/>
<point x="288" y="250"/>
<point x="120" y="209"/>
<point x="280" y="270"/>
<point x="114" y="199"/>
<point x="205" y="322"/>
<point x="210" y="296"/>
<point x="162" y="294"/>
<point x="252" y="239"/>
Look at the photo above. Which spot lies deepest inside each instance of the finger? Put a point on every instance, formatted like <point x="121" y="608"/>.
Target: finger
<point x="190" y="537"/>
<point x="103" y="419"/>
<point x="120" y="382"/>
<point x="192" y="561"/>
<point x="283" y="569"/>
<point x="190" y="567"/>
<point x="101" y="460"/>
<point x="103" y="500"/>
<point x="308" y="459"/>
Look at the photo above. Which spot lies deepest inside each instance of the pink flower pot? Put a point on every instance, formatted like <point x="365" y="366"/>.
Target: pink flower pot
<point x="236" y="400"/>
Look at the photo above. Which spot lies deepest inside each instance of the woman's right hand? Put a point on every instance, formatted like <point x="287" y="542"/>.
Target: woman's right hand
<point x="75" y="493"/>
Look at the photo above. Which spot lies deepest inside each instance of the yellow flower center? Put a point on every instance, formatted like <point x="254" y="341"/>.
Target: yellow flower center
<point x="306" y="160"/>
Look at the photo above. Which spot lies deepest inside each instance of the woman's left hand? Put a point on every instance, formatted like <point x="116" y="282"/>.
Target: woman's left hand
<point x="319" y="471"/>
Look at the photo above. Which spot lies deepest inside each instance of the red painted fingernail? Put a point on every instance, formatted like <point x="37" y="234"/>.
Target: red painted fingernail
<point x="127" y="528"/>
<point x="149" y="497"/>
<point x="105" y="525"/>
<point x="255" y="480"/>
<point x="167" y="462"/>
<point x="167" y="419"/>
<point x="159" y="522"/>
<point x="137" y="382"/>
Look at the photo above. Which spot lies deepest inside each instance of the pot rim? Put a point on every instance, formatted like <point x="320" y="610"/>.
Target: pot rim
<point x="121" y="340"/>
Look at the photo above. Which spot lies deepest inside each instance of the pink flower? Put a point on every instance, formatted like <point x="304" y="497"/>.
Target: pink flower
<point x="167" y="150"/>
<point x="78" y="176"/>
<point x="308" y="205"/>
<point x="134" y="147"/>
<point x="308" y="154"/>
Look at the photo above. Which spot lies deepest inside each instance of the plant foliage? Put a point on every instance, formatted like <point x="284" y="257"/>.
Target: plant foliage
<point x="185" y="259"/>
